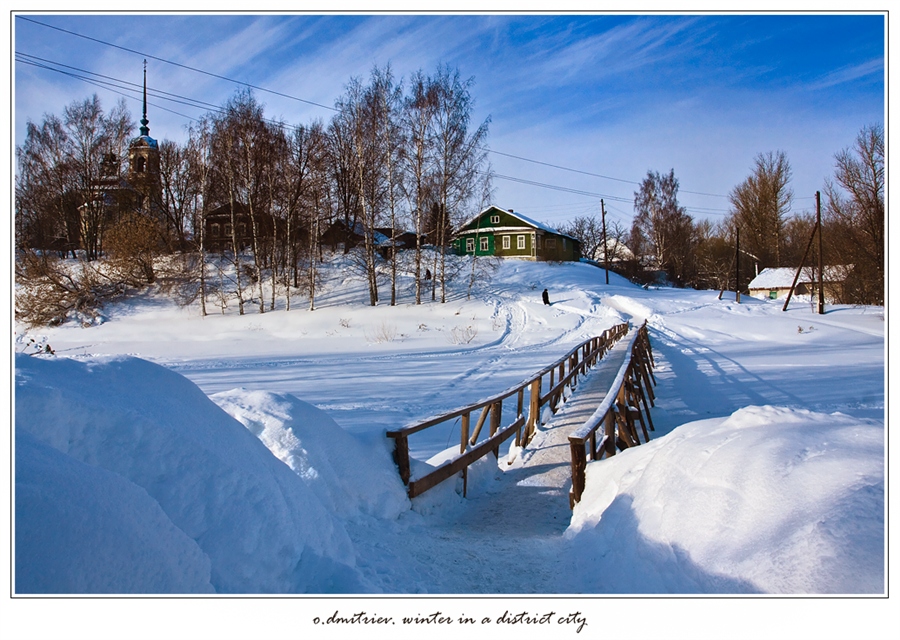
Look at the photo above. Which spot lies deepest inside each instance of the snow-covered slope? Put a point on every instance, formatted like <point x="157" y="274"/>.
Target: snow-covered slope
<point x="765" y="475"/>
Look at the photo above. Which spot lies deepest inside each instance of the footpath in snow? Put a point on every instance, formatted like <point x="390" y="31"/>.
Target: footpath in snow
<point x="516" y="507"/>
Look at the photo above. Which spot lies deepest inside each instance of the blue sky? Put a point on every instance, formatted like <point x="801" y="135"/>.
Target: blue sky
<point x="609" y="95"/>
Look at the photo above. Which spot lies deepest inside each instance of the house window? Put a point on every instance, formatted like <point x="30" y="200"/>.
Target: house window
<point x="242" y="229"/>
<point x="228" y="230"/>
<point x="485" y="244"/>
<point x="550" y="243"/>
<point x="214" y="230"/>
<point x="470" y="245"/>
<point x="773" y="295"/>
<point x="520" y="242"/>
<point x="495" y="219"/>
<point x="506" y="242"/>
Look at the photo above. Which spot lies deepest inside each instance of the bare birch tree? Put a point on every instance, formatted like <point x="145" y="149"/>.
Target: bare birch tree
<point x="760" y="205"/>
<point x="460" y="161"/>
<point x="855" y="215"/>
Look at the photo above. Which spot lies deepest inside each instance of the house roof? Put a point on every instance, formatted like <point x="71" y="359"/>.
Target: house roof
<point x="528" y="222"/>
<point x="783" y="277"/>
<point x="358" y="230"/>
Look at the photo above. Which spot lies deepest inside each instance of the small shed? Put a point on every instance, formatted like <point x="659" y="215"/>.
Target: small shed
<point x="338" y="236"/>
<point x="774" y="283"/>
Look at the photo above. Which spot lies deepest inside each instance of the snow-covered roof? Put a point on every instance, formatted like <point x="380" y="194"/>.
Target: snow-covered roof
<point x="783" y="277"/>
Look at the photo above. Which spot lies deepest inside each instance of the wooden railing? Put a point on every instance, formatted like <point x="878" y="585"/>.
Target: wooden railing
<point x="559" y="375"/>
<point x="617" y="414"/>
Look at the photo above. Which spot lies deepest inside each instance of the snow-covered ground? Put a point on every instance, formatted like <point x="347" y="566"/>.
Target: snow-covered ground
<point x="163" y="452"/>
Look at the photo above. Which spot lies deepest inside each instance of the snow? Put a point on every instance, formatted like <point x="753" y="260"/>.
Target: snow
<point x="783" y="277"/>
<point x="803" y="514"/>
<point x="160" y="452"/>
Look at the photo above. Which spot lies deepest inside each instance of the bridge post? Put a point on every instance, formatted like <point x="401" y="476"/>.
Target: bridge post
<point x="534" y="408"/>
<point x="579" y="464"/>
<point x="609" y="427"/>
<point x="401" y="457"/>
<point x="519" y="405"/>
<point x="464" y="432"/>
<point x="496" y="412"/>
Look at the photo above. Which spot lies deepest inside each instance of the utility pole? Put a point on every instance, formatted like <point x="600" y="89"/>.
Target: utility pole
<point x="812" y="237"/>
<point x="821" y="256"/>
<point x="737" y="266"/>
<point x="605" y="242"/>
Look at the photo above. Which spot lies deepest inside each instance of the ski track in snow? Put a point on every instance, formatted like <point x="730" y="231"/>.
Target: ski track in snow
<point x="523" y="511"/>
<point x="469" y="373"/>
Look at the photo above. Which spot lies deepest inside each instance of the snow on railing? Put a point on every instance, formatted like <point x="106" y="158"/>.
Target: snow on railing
<point x="617" y="413"/>
<point x="562" y="374"/>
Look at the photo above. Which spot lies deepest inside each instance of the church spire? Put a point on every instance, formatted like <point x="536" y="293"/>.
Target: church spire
<point x="145" y="130"/>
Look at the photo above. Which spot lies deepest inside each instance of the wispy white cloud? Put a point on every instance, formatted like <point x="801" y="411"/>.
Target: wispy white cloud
<point x="617" y="95"/>
<point x="870" y="69"/>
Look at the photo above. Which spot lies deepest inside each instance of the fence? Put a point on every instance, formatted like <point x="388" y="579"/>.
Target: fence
<point x="559" y="375"/>
<point x="617" y="414"/>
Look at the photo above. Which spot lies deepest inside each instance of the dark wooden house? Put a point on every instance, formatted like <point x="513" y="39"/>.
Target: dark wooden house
<point x="508" y="234"/>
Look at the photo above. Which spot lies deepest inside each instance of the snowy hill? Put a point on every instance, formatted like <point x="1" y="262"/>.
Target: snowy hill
<point x="765" y="475"/>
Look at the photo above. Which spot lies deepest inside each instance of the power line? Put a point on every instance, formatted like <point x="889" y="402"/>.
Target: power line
<point x="178" y="64"/>
<point x="119" y="89"/>
<point x="556" y="166"/>
<point x="558" y="188"/>
<point x="108" y="83"/>
<point x="291" y="97"/>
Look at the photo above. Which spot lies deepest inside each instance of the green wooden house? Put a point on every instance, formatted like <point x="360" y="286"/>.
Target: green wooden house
<point x="507" y="234"/>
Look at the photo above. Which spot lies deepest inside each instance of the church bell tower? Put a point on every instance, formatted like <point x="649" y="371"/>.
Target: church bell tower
<point x="143" y="164"/>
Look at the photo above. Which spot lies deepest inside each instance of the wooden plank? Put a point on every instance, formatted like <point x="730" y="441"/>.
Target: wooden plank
<point x="451" y="467"/>
<point x="591" y="351"/>
<point x="477" y="432"/>
<point x="612" y="335"/>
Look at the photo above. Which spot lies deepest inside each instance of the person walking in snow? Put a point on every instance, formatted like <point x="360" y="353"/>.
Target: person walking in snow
<point x="546" y="297"/>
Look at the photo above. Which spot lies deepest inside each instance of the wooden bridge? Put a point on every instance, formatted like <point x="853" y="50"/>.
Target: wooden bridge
<point x="604" y="418"/>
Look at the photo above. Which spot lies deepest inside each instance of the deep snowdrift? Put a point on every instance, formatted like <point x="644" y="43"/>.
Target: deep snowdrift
<point x="769" y="500"/>
<point x="151" y="452"/>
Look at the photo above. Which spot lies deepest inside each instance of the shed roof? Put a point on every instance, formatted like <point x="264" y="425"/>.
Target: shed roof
<point x="783" y="277"/>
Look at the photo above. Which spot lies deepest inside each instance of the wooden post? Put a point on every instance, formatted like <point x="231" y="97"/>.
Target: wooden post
<point x="605" y="241"/>
<point x="479" y="424"/>
<point x="519" y="406"/>
<point x="812" y="237"/>
<point x="579" y="464"/>
<point x="821" y="256"/>
<point x="737" y="267"/>
<point x="534" y="409"/>
<point x="496" y="412"/>
<point x="401" y="457"/>
<point x="464" y="432"/>
<point x="465" y="475"/>
<point x="609" y="427"/>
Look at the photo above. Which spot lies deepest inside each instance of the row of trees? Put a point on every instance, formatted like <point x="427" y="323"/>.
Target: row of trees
<point x="664" y="238"/>
<point x="394" y="157"/>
